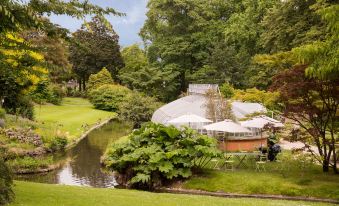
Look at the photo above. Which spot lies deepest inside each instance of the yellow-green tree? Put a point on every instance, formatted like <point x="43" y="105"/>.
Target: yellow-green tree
<point x="99" y="79"/>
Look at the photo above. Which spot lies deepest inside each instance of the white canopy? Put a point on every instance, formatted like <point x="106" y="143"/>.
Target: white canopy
<point x="189" y="118"/>
<point x="226" y="126"/>
<point x="260" y="122"/>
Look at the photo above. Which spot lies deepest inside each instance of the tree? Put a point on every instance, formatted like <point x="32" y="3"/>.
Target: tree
<point x="321" y="56"/>
<point x="52" y="42"/>
<point x="227" y="90"/>
<point x="16" y="14"/>
<point x="289" y="24"/>
<point x="108" y="97"/>
<point x="101" y="78"/>
<point x="267" y="98"/>
<point x="154" y="81"/>
<point x="134" y="58"/>
<point x="313" y="104"/>
<point x="21" y="70"/>
<point x="93" y="47"/>
<point x="182" y="33"/>
<point x="137" y="108"/>
<point x="217" y="107"/>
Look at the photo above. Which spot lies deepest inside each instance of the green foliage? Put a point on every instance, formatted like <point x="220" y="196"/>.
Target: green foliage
<point x="137" y="108"/>
<point x="47" y="92"/>
<point x="322" y="55"/>
<point x="99" y="79"/>
<point x="134" y="59"/>
<point x="156" y="154"/>
<point x="2" y="113"/>
<point x="58" y="144"/>
<point x="95" y="41"/>
<point x="108" y="97"/>
<point x="153" y="81"/>
<point x="6" y="192"/>
<point x="289" y="24"/>
<point x="268" y="99"/>
<point x="30" y="163"/>
<point x="227" y="90"/>
<point x="22" y="105"/>
<point x="210" y="41"/>
<point x="17" y="15"/>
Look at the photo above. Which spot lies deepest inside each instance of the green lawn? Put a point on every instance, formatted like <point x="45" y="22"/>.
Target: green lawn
<point x="310" y="183"/>
<point x="34" y="194"/>
<point x="70" y="117"/>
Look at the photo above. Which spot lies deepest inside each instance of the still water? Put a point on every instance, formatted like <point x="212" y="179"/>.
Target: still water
<point x="84" y="167"/>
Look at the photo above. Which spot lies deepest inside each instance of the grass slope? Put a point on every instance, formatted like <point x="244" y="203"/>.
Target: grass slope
<point x="34" y="194"/>
<point x="71" y="116"/>
<point x="310" y="183"/>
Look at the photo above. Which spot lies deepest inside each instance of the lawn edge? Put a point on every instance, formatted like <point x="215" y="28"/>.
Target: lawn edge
<point x="86" y="133"/>
<point x="235" y="195"/>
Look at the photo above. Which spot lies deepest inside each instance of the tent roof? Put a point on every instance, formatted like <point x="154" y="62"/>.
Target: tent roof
<point x="260" y="122"/>
<point x="226" y="126"/>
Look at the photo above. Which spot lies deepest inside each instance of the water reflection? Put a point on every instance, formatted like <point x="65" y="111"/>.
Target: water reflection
<point x="84" y="167"/>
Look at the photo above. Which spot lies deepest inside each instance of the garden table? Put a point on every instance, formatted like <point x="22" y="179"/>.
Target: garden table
<point x="241" y="156"/>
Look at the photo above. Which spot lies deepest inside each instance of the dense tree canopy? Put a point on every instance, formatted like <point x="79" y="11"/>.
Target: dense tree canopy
<point x="93" y="47"/>
<point x="16" y="14"/>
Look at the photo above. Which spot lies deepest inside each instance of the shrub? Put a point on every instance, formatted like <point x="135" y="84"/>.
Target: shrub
<point x="22" y="106"/>
<point x="101" y="78"/>
<point x="108" y="96"/>
<point x="137" y="108"/>
<point x="58" y="144"/>
<point x="155" y="154"/>
<point x="6" y="192"/>
<point x="227" y="90"/>
<point x="47" y="92"/>
<point x="56" y="93"/>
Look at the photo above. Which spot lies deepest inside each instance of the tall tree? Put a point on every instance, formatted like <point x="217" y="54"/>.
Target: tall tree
<point x="322" y="54"/>
<point x="313" y="104"/>
<point x="211" y="41"/>
<point x="182" y="32"/>
<point x="288" y="24"/>
<point x="52" y="42"/>
<point x="93" y="47"/>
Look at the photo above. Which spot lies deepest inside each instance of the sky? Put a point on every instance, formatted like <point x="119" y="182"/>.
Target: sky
<point x="127" y="26"/>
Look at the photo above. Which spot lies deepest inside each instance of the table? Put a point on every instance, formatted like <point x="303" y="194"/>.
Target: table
<point x="241" y="156"/>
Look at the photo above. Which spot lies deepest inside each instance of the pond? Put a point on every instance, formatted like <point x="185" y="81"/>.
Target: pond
<point x="84" y="168"/>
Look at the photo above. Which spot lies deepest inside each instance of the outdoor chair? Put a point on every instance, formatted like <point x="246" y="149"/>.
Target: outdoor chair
<point x="229" y="163"/>
<point x="260" y="164"/>
<point x="215" y="163"/>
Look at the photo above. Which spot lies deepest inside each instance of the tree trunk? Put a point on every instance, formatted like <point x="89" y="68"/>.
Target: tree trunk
<point x="79" y="81"/>
<point x="335" y="168"/>
<point x="83" y="84"/>
<point x="326" y="165"/>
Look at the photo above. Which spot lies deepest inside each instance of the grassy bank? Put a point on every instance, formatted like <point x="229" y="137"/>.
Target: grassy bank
<point x="34" y="194"/>
<point x="73" y="117"/>
<point x="53" y="128"/>
<point x="309" y="182"/>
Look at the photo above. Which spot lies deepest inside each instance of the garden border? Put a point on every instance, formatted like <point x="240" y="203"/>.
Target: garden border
<point x="235" y="195"/>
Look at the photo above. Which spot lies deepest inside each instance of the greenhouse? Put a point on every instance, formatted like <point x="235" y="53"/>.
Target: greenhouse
<point x="195" y="103"/>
